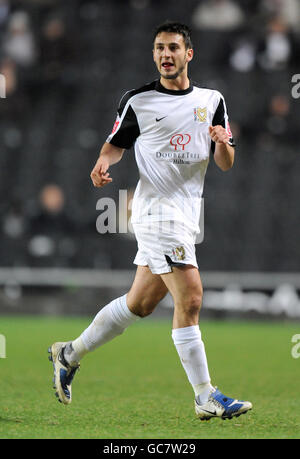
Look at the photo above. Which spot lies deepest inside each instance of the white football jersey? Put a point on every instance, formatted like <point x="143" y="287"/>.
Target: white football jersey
<point x="170" y="133"/>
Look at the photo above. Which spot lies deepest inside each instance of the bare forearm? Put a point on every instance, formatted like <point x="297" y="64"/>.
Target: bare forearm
<point x="224" y="156"/>
<point x="111" y="154"/>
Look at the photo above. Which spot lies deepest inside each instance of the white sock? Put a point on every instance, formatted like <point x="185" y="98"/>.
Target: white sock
<point x="191" y="351"/>
<point x="203" y="391"/>
<point x="79" y="348"/>
<point x="110" y="322"/>
<point x="73" y="356"/>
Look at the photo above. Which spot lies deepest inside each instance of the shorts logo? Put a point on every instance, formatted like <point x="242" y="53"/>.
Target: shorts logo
<point x="180" y="140"/>
<point x="200" y="114"/>
<point x="179" y="253"/>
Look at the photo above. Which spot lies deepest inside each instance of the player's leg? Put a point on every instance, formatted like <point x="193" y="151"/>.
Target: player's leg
<point x="146" y="291"/>
<point x="112" y="320"/>
<point x="184" y="284"/>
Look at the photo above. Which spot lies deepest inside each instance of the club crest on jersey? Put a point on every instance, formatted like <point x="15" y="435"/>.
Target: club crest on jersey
<point x="200" y="114"/>
<point x="179" y="253"/>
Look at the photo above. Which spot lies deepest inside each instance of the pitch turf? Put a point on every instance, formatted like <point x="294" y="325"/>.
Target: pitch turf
<point x="135" y="387"/>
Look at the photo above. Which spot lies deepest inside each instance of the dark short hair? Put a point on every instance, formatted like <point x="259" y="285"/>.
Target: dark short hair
<point x="175" y="27"/>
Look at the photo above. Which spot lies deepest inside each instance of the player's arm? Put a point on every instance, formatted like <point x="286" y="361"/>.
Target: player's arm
<point x="224" y="152"/>
<point x="109" y="155"/>
<point x="124" y="133"/>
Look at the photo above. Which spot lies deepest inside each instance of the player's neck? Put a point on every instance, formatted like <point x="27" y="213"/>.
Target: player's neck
<point x="179" y="84"/>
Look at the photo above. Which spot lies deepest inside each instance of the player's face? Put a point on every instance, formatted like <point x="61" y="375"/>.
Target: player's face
<point x="170" y="55"/>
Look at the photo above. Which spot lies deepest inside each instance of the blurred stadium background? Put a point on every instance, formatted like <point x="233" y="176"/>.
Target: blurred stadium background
<point x="66" y="65"/>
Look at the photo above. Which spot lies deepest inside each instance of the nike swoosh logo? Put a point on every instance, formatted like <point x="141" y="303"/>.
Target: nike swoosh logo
<point x="159" y="119"/>
<point x="214" y="413"/>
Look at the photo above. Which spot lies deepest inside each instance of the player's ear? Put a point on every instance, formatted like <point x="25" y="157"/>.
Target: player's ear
<point x="190" y="54"/>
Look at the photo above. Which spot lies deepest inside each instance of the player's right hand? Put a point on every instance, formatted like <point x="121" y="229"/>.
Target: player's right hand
<point x="99" y="174"/>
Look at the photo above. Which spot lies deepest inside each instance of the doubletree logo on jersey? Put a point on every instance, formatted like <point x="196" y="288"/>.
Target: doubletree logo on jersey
<point x="179" y="155"/>
<point x="180" y="140"/>
<point x="179" y="158"/>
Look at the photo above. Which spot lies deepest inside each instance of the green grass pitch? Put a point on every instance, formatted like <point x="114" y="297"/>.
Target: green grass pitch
<point x="135" y="387"/>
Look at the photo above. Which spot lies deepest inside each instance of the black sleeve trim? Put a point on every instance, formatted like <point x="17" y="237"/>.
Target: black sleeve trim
<point x="219" y="116"/>
<point x="128" y="131"/>
<point x="219" y="119"/>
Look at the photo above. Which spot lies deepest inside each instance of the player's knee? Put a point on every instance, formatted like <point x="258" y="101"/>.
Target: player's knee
<point x="144" y="312"/>
<point x="146" y="308"/>
<point x="194" y="304"/>
<point x="142" y="309"/>
<point x="191" y="304"/>
<point x="147" y="305"/>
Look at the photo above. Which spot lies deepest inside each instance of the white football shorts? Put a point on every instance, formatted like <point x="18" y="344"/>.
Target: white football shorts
<point x="162" y="245"/>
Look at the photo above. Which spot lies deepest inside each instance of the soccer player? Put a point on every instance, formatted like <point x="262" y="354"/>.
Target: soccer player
<point x="173" y="125"/>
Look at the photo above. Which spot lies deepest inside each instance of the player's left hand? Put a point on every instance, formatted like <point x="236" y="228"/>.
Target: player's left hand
<point x="218" y="134"/>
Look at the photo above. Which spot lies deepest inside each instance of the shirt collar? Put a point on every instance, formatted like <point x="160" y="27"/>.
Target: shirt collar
<point x="173" y="92"/>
